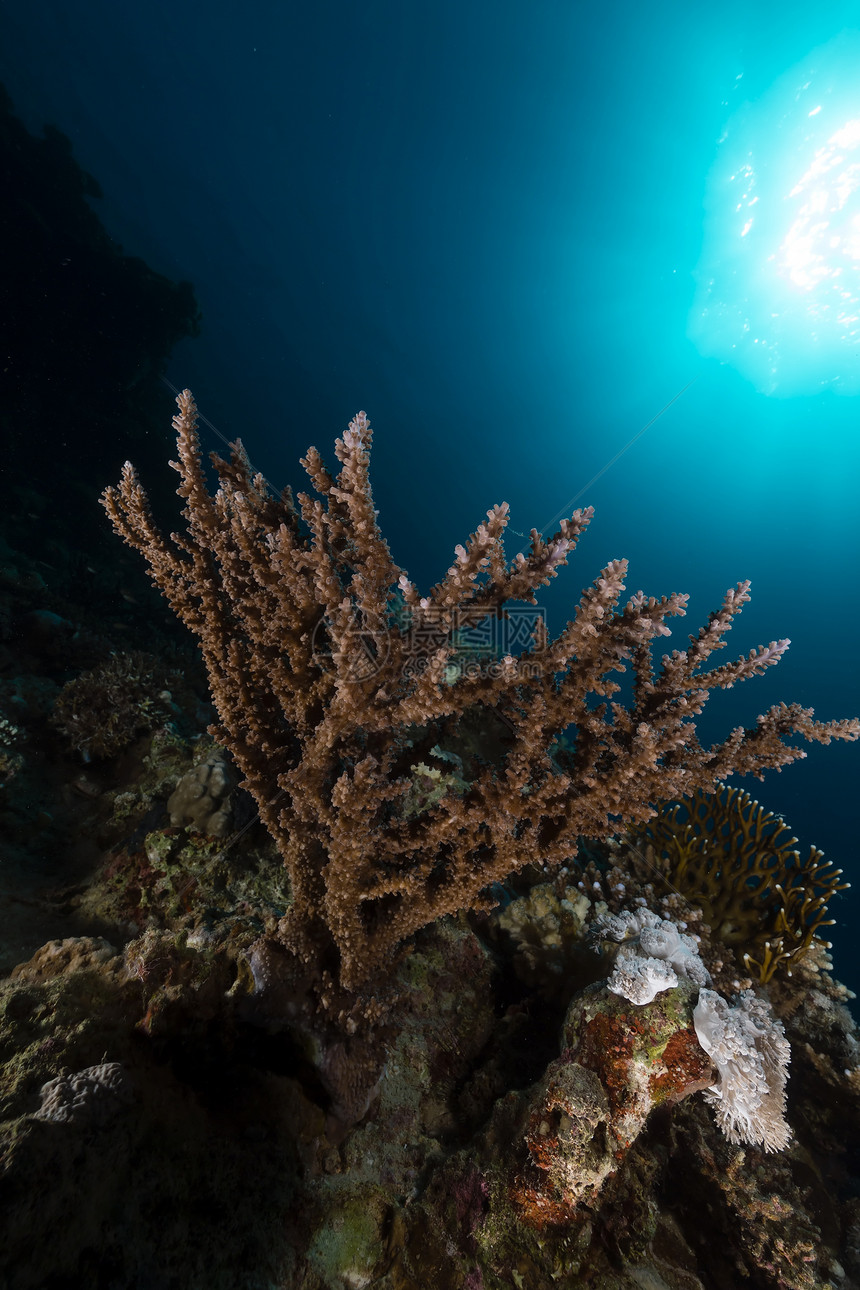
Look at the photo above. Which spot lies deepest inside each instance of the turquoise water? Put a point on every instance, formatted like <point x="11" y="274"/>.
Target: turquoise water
<point x="777" y="280"/>
<point x="512" y="233"/>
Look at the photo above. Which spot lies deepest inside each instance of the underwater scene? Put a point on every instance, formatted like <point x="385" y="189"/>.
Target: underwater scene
<point x="429" y="690"/>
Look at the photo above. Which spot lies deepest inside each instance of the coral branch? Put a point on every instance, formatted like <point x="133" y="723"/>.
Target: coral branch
<point x="335" y="682"/>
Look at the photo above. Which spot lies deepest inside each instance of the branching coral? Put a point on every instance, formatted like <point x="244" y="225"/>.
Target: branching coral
<point x="101" y="711"/>
<point x="327" y="698"/>
<point x="735" y="860"/>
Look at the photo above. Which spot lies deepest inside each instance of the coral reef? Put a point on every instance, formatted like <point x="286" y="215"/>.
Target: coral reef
<point x="326" y="699"/>
<point x="594" y="1101"/>
<point x="188" y="1095"/>
<point x="495" y="1139"/>
<point x="149" y="1139"/>
<point x="744" y="1041"/>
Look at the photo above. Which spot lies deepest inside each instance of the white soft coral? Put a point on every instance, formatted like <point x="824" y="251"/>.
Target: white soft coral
<point x="748" y="1046"/>
<point x="653" y="955"/>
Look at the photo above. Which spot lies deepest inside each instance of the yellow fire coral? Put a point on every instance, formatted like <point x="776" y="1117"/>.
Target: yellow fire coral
<point x="723" y="852"/>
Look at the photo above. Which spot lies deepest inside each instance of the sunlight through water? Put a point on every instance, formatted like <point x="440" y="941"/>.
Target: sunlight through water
<point x="778" y="281"/>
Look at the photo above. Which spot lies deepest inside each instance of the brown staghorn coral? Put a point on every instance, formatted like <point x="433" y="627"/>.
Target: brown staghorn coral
<point x="726" y="854"/>
<point x="325" y="695"/>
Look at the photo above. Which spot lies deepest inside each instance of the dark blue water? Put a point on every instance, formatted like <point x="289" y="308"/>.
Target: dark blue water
<point x="495" y="225"/>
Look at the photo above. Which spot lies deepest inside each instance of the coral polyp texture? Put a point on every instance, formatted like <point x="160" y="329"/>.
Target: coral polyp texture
<point x="333" y="678"/>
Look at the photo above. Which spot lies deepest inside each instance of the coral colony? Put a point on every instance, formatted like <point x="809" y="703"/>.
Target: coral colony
<point x="331" y="675"/>
<point x="736" y="862"/>
<point x="402" y="776"/>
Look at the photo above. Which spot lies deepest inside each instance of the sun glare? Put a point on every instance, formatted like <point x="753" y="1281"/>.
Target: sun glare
<point x="778" y="282"/>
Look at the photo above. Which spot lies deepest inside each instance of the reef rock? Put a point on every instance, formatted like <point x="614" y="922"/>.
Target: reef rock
<point x="619" y="1061"/>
